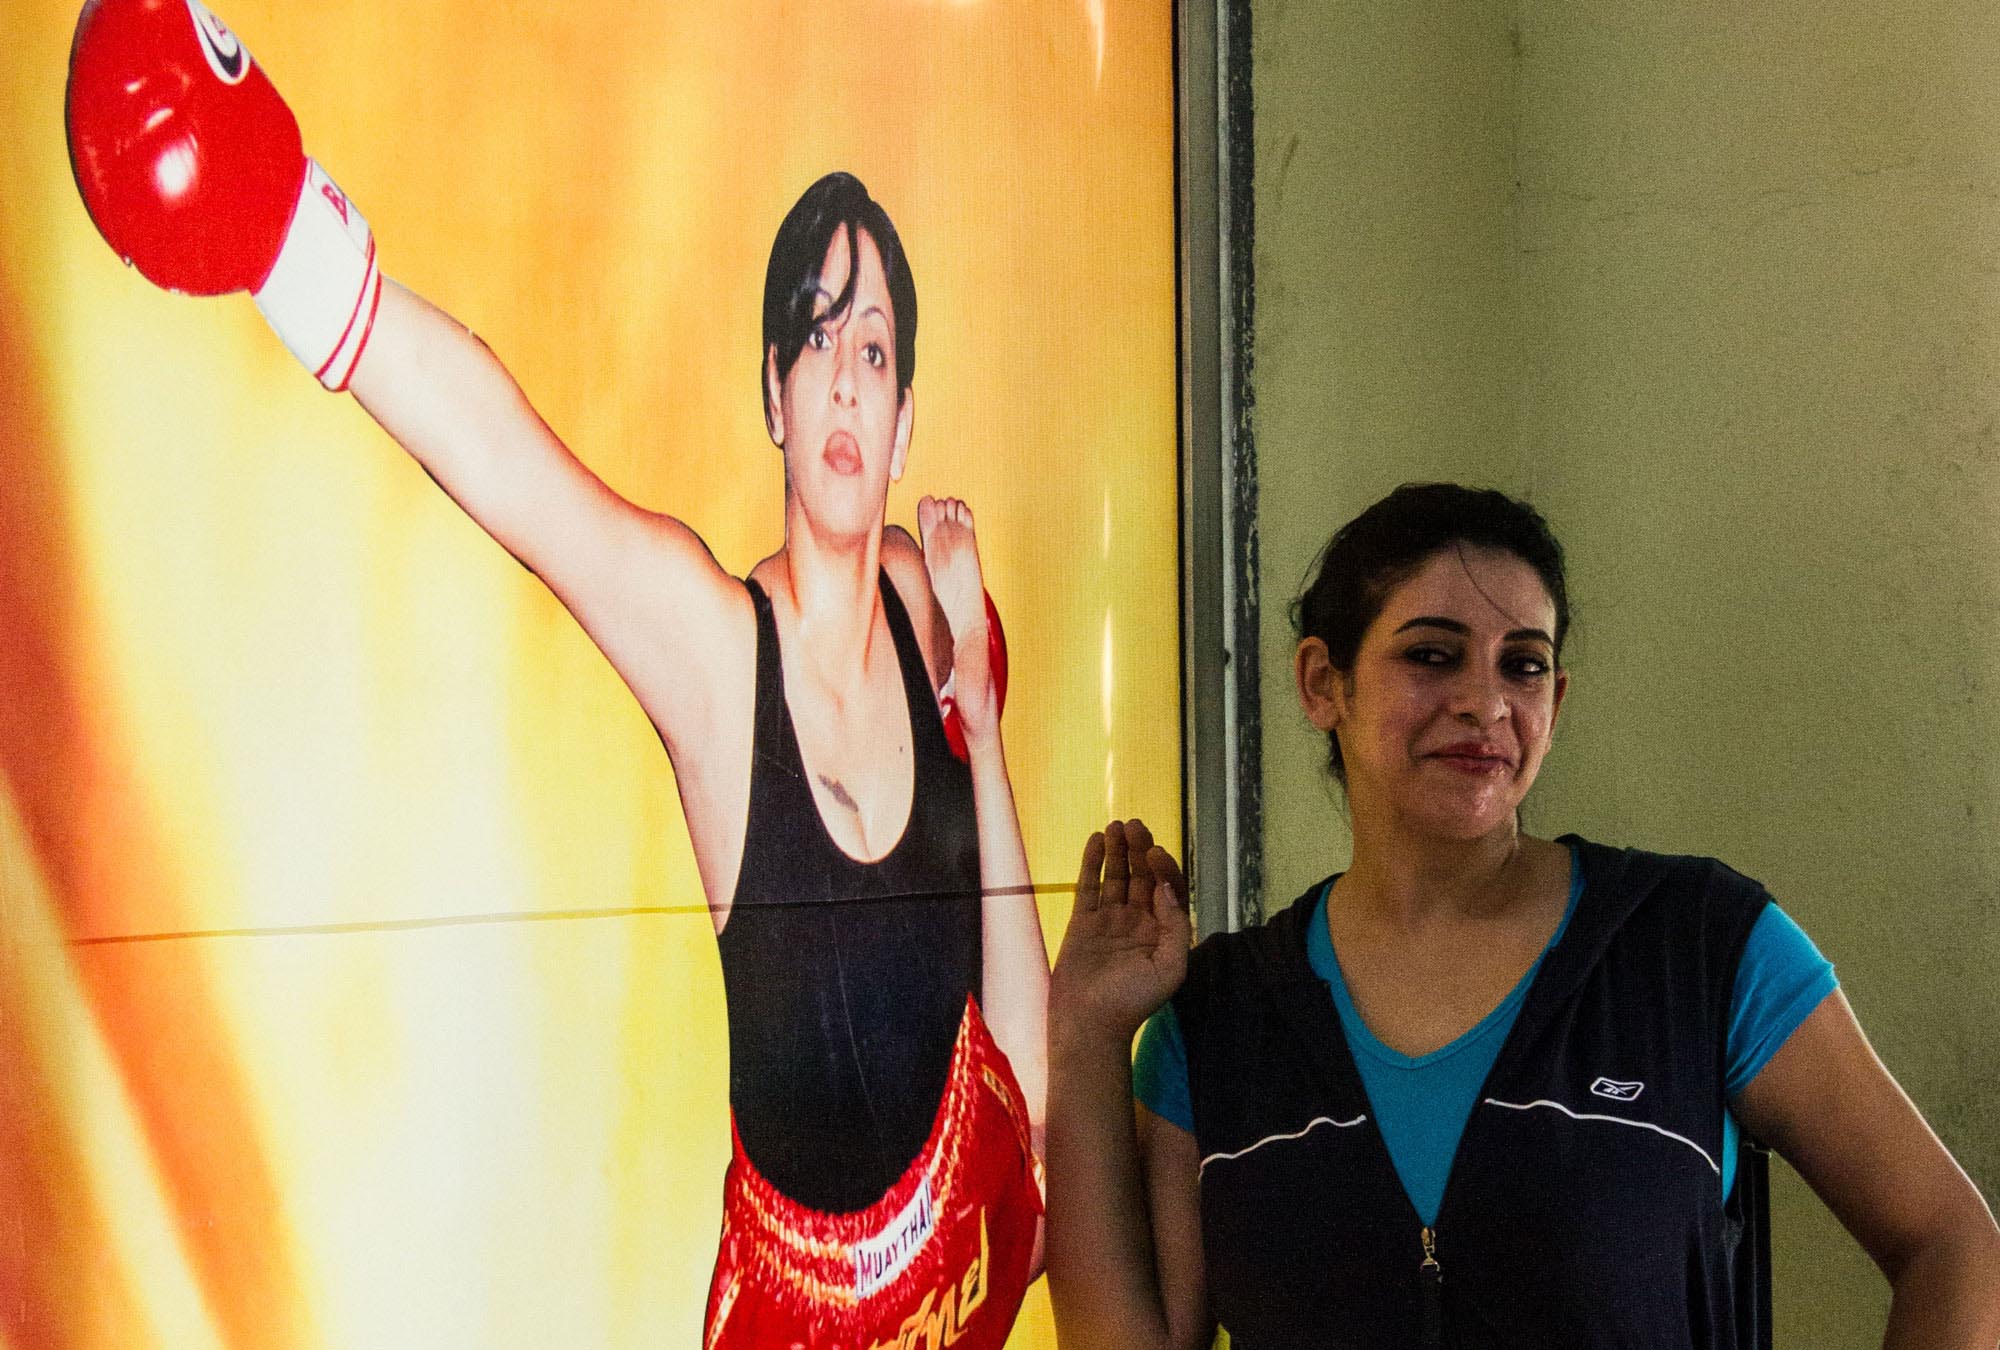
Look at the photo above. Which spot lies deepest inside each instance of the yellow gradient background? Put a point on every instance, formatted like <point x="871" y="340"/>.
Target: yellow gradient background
<point x="356" y="987"/>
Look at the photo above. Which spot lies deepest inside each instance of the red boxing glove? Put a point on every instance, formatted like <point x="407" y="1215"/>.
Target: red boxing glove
<point x="191" y="168"/>
<point x="996" y="656"/>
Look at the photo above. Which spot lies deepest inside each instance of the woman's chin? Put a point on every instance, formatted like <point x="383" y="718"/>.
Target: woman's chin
<point x="1465" y="821"/>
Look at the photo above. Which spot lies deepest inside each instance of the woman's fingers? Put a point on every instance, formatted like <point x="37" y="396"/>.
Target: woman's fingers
<point x="1173" y="923"/>
<point x="1117" y="863"/>
<point x="1167" y="871"/>
<point x="1138" y="842"/>
<point x="1087" y="890"/>
<point x="1123" y="866"/>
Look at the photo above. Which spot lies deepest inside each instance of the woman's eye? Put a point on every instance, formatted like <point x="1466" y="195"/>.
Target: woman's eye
<point x="817" y="339"/>
<point x="1428" y="656"/>
<point x="875" y="355"/>
<point x="1527" y="667"/>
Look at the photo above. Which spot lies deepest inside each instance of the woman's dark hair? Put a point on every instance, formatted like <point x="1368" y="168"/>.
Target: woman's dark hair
<point x="1387" y="544"/>
<point x="792" y="280"/>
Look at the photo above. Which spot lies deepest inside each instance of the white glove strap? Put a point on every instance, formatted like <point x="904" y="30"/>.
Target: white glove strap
<point x="322" y="291"/>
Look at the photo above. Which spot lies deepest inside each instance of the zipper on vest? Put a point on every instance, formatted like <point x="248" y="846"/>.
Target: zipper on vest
<point x="1430" y="1276"/>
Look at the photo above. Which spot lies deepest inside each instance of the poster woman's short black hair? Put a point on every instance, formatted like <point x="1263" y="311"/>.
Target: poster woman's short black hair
<point x="792" y="279"/>
<point x="1387" y="544"/>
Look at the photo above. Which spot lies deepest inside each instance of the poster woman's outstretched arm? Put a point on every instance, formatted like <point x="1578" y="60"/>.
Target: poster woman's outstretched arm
<point x="193" y="169"/>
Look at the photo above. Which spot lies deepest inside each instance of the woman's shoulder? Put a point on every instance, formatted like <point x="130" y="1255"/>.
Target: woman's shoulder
<point x="903" y="563"/>
<point x="1638" y="891"/>
<point x="1257" y="976"/>
<point x="1626" y="865"/>
<point x="903" y="559"/>
<point x="1275" y="945"/>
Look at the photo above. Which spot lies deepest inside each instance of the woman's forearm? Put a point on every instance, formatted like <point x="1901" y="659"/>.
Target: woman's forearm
<point x="1832" y="1110"/>
<point x="1103" y="1277"/>
<point x="1947" y="1295"/>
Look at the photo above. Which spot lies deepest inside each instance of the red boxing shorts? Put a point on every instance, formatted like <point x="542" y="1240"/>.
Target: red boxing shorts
<point x="940" y="1260"/>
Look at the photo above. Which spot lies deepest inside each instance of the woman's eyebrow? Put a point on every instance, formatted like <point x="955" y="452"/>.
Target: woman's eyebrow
<point x="1464" y="630"/>
<point x="1435" y="621"/>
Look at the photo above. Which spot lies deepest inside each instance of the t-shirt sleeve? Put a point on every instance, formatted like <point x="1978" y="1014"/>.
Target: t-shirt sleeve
<point x="1780" y="980"/>
<point x="1159" y="1070"/>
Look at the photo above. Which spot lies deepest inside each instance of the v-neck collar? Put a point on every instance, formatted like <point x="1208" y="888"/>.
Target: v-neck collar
<point x="1325" y="962"/>
<point x="1564" y="961"/>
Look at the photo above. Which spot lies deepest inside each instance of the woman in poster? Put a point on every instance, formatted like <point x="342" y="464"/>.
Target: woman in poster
<point x="884" y="967"/>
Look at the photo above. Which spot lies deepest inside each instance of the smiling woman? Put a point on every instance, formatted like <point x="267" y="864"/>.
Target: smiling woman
<point x="1481" y="1089"/>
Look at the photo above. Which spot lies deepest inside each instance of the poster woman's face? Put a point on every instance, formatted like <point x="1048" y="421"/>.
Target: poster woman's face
<point x="838" y="414"/>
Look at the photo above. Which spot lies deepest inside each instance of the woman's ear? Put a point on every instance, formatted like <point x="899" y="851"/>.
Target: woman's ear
<point x="774" y="408"/>
<point x="906" y="416"/>
<point x="1322" y="686"/>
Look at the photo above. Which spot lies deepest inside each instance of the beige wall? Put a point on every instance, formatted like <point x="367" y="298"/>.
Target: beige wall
<point x="1721" y="293"/>
<point x="1385" y="343"/>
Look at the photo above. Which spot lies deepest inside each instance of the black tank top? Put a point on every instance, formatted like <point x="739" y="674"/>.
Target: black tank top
<point x="846" y="980"/>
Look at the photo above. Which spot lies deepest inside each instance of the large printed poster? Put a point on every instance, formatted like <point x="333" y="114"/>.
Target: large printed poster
<point x="559" y="843"/>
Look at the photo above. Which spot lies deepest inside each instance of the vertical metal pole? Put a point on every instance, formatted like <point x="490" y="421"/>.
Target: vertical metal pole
<point x="1223" y="764"/>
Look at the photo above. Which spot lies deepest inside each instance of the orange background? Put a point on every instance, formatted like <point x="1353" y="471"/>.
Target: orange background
<point x="385" y="1071"/>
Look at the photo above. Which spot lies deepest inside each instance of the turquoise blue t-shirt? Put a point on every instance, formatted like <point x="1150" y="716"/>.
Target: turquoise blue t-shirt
<point x="1422" y="1103"/>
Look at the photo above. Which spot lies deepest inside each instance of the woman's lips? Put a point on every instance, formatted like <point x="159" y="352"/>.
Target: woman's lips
<point x="842" y="454"/>
<point x="1472" y="759"/>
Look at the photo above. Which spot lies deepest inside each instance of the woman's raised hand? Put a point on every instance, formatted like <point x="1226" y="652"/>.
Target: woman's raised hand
<point x="1126" y="949"/>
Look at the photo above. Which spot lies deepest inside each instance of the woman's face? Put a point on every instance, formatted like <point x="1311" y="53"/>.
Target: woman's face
<point x="837" y="414"/>
<point x="1447" y="714"/>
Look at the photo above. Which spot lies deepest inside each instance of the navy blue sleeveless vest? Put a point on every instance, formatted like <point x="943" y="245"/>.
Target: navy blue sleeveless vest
<point x="1581" y="1209"/>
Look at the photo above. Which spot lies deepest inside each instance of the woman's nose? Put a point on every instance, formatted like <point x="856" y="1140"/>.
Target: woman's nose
<point x="843" y="375"/>
<point x="1479" y="698"/>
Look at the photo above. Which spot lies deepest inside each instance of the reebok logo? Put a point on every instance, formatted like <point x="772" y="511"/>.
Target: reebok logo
<point x="225" y="54"/>
<point x="1617" y="1091"/>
